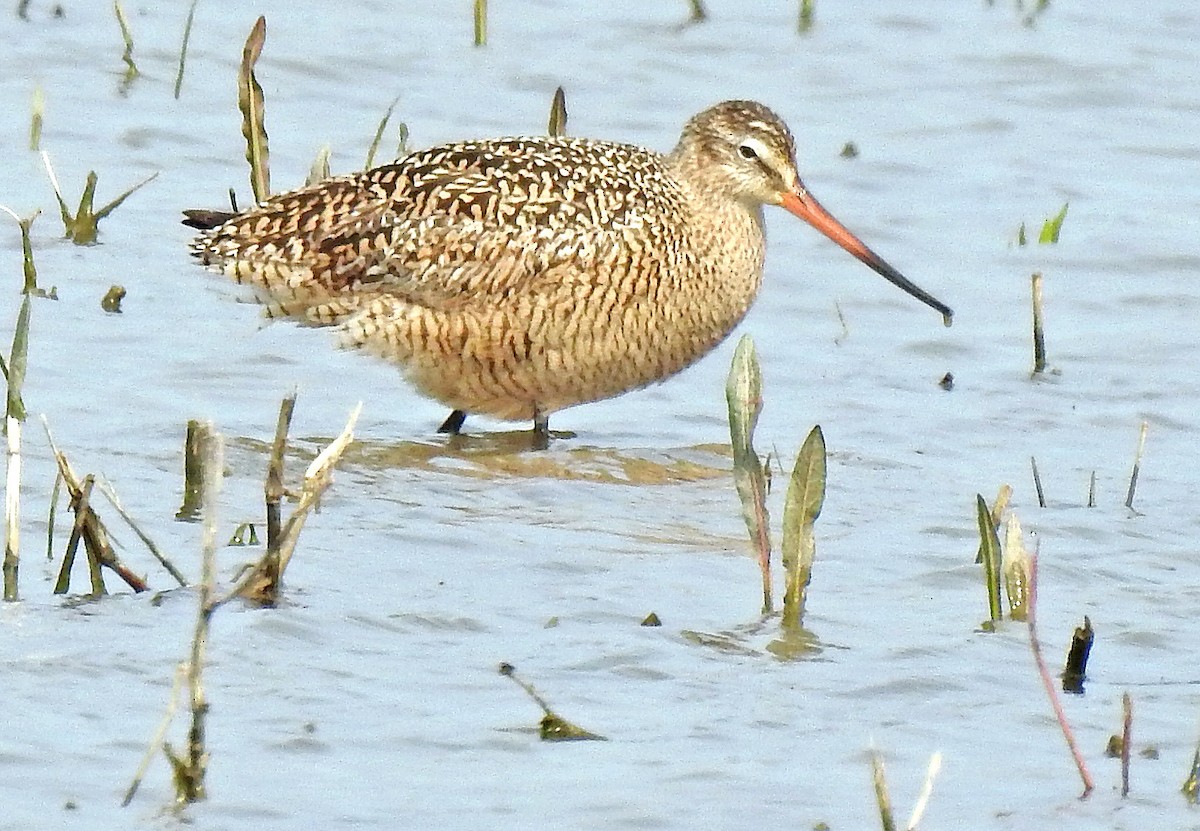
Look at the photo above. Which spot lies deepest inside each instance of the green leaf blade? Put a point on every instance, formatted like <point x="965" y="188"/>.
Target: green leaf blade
<point x="805" y="498"/>
<point x="252" y="103"/>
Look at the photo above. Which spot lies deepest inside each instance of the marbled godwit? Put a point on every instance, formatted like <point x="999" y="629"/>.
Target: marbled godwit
<point x="515" y="277"/>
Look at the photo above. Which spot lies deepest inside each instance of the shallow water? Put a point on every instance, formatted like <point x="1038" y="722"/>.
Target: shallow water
<point x="371" y="698"/>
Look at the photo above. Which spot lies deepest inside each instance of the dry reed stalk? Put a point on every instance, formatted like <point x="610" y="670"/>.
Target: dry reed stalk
<point x="111" y="495"/>
<point x="262" y="582"/>
<point x="191" y="768"/>
<point x="35" y="120"/>
<point x="187" y="36"/>
<point x="188" y="771"/>
<point x="480" y="22"/>
<point x="89" y="528"/>
<point x="553" y="727"/>
<point x="882" y="799"/>
<point x="935" y="766"/>
<point x="1039" y="335"/>
<point x="193" y="475"/>
<point x="557" y="125"/>
<point x="12" y="510"/>
<point x="1126" y="739"/>
<point x="156" y="743"/>
<point x="1037" y="483"/>
<point x="1137" y="464"/>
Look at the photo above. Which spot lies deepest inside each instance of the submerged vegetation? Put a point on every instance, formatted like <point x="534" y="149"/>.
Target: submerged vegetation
<point x="83" y="226"/>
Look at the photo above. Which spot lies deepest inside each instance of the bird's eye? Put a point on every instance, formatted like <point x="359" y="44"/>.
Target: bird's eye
<point x="747" y="152"/>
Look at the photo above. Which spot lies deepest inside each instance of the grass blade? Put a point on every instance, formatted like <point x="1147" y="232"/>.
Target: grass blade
<point x="252" y="103"/>
<point x="187" y="35"/>
<point x="12" y="508"/>
<point x="1052" y="227"/>
<point x="989" y="546"/>
<point x="883" y="800"/>
<point x="17" y="360"/>
<point x="805" y="496"/>
<point x="383" y="122"/>
<point x="1137" y="465"/>
<point x="113" y="205"/>
<point x="131" y="70"/>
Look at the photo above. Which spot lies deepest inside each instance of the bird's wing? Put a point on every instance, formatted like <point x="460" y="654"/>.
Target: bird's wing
<point x="454" y="226"/>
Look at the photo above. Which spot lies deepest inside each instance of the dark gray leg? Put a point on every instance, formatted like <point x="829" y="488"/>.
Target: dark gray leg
<point x="453" y="423"/>
<point x="541" y="430"/>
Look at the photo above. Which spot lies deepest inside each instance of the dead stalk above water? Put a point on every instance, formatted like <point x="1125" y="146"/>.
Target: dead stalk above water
<point x="183" y="48"/>
<point x="1039" y="335"/>
<point x="12" y="510"/>
<point x="193" y="474"/>
<point x="553" y="727"/>
<point x="111" y="495"/>
<point x="131" y="70"/>
<point x="262" y="582"/>
<point x="190" y="768"/>
<point x="87" y="528"/>
<point x="35" y="120"/>
<point x="1126" y="740"/>
<point x="480" y="15"/>
<point x="1075" y="670"/>
<point x="557" y="125"/>
<point x="1037" y="483"/>
<point x="883" y="800"/>
<point x="1137" y="464"/>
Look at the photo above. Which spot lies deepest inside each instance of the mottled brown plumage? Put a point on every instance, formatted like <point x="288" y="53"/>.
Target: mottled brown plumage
<point x="516" y="277"/>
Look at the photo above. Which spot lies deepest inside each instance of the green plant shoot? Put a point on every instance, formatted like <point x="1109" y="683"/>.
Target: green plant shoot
<point x="805" y="496"/>
<point x="1052" y="227"/>
<point x="743" y="394"/>
<point x="990" y="547"/>
<point x="251" y="103"/>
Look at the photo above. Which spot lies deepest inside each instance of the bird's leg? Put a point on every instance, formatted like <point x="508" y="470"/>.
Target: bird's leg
<point x="541" y="430"/>
<point x="453" y="423"/>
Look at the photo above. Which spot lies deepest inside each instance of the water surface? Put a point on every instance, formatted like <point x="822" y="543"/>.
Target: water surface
<point x="370" y="698"/>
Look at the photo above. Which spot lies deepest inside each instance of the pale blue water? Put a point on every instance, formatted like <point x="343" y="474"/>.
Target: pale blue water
<point x="370" y="699"/>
